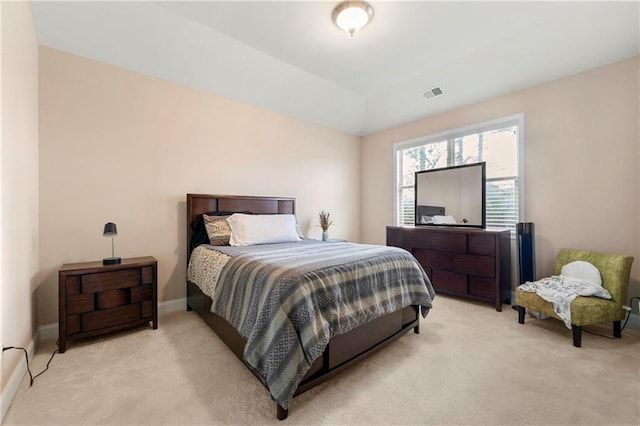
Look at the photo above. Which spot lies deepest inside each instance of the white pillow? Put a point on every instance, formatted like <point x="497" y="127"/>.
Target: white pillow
<point x="443" y="220"/>
<point x="248" y="230"/>
<point x="582" y="270"/>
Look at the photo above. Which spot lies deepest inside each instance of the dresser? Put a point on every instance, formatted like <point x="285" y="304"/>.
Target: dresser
<point x="95" y="299"/>
<point x="467" y="262"/>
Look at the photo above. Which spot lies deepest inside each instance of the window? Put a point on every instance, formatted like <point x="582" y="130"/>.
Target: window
<point x="498" y="143"/>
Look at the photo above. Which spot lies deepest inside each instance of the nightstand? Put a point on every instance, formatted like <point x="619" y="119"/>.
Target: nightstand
<point x="95" y="299"/>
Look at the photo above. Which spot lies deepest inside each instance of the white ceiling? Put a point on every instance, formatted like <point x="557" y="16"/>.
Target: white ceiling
<point x="290" y="58"/>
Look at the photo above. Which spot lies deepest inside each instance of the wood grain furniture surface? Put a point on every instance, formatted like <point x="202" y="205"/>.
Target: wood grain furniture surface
<point x="95" y="299"/>
<point x="342" y="351"/>
<point x="472" y="263"/>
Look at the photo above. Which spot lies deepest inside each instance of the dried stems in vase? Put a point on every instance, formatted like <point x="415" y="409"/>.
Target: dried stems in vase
<point x="325" y="221"/>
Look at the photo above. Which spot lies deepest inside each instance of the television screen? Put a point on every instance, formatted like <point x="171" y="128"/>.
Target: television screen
<point x="451" y="196"/>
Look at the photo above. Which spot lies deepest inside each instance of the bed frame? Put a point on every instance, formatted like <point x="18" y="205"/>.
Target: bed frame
<point x="342" y="351"/>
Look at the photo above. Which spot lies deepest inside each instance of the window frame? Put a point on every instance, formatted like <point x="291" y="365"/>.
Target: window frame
<point x="516" y="120"/>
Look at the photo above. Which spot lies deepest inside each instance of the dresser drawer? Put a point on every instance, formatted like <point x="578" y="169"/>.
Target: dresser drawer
<point x="482" y="287"/>
<point x="484" y="266"/>
<point x="435" y="259"/>
<point x="395" y="238"/>
<point x="442" y="241"/>
<point x="449" y="281"/>
<point x="482" y="244"/>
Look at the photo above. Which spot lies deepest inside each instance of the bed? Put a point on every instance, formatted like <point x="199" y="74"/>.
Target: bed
<point x="307" y="362"/>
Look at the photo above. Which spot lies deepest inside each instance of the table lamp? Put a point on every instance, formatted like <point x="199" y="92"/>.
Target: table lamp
<point x="110" y="230"/>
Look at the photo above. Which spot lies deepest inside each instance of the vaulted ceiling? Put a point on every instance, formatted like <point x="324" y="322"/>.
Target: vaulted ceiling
<point x="290" y="58"/>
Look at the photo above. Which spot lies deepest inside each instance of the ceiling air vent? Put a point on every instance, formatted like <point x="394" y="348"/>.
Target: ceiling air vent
<point x="432" y="93"/>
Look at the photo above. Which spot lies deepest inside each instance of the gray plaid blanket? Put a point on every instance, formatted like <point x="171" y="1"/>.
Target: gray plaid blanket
<point x="288" y="300"/>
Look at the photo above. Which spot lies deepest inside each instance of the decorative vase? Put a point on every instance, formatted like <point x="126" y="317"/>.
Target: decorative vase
<point x="325" y="236"/>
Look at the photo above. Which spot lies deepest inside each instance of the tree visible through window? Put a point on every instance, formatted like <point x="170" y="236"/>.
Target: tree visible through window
<point x="497" y="143"/>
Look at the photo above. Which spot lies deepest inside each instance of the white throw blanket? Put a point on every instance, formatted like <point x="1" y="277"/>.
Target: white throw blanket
<point x="561" y="291"/>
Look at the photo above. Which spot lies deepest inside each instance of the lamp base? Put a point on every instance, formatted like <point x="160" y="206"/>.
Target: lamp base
<point x="111" y="261"/>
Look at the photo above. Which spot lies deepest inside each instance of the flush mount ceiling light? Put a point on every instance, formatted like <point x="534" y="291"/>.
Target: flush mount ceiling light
<point x="351" y="16"/>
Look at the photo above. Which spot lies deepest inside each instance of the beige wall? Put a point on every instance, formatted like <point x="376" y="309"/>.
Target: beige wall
<point x="124" y="147"/>
<point x="582" y="144"/>
<point x="19" y="181"/>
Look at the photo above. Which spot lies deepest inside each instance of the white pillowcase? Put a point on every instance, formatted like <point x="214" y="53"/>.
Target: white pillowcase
<point x="443" y="220"/>
<point x="582" y="270"/>
<point x="248" y="230"/>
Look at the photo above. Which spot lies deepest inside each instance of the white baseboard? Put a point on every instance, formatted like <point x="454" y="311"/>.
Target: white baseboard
<point x="634" y="321"/>
<point x="172" y="306"/>
<point x="10" y="390"/>
<point x="50" y="332"/>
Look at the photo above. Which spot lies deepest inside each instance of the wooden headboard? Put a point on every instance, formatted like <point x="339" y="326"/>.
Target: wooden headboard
<point x="197" y="204"/>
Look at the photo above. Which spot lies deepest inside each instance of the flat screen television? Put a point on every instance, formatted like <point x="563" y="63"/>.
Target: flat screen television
<point x="451" y="196"/>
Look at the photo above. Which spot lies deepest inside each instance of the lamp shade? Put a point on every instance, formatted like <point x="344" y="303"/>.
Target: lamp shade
<point x="110" y="230"/>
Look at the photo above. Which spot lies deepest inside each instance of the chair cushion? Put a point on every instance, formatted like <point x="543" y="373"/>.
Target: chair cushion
<point x="584" y="310"/>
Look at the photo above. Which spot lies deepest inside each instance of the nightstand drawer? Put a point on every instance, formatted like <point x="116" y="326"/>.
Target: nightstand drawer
<point x="92" y="283"/>
<point x="109" y="317"/>
<point x="73" y="286"/>
<point x="113" y="298"/>
<point x="80" y="303"/>
<point x="74" y="324"/>
<point x="147" y="275"/>
<point x="146" y="309"/>
<point x="141" y="293"/>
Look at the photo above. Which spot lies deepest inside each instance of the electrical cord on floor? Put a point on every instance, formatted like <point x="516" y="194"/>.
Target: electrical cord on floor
<point x="629" y="311"/>
<point x="625" y="321"/>
<point x="26" y="357"/>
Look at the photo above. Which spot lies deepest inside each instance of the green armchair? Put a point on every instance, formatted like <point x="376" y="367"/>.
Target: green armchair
<point x="614" y="270"/>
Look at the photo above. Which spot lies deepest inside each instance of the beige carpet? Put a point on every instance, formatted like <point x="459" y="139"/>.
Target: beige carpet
<point x="470" y="365"/>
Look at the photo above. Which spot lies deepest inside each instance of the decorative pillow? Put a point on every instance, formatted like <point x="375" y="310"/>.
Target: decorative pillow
<point x="582" y="270"/>
<point x="198" y="231"/>
<point x="248" y="230"/>
<point x="218" y="230"/>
